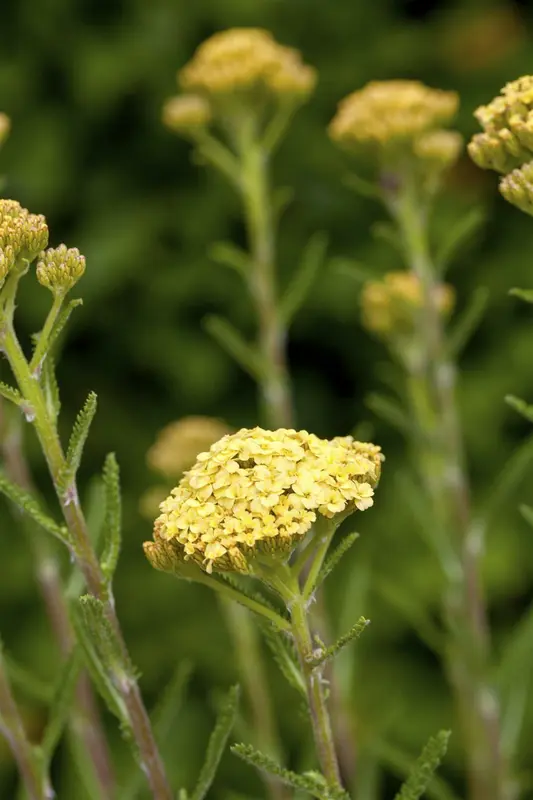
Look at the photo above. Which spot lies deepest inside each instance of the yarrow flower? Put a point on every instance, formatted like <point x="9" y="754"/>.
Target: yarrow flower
<point x="259" y="492"/>
<point x="386" y="114"/>
<point x="22" y="236"/>
<point x="187" y="113"/>
<point x="60" y="268"/>
<point x="178" y="444"/>
<point x="246" y="59"/>
<point x="389" y="306"/>
<point x="517" y="188"/>
<point x="507" y="122"/>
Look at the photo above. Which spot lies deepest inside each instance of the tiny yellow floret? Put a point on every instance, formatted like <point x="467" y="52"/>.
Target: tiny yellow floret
<point x="259" y="492"/>
<point x="60" y="268"/>
<point x="517" y="188"/>
<point x="22" y="236"/>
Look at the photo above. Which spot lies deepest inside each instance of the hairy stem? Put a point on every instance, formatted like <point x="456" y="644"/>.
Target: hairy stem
<point x="86" y="721"/>
<point x="441" y="462"/>
<point x="85" y="556"/>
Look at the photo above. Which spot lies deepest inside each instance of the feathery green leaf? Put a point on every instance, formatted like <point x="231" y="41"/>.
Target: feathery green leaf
<point x="11" y="394"/>
<point x="50" y="387"/>
<point x="312" y="782"/>
<point x="284" y="659"/>
<point x="229" y="338"/>
<point x="217" y="743"/>
<point x="78" y="437"/>
<point x="113" y="516"/>
<point x="304" y="276"/>
<point x="425" y="767"/>
<point x="326" y="654"/>
<point x="335" y="557"/>
<point x="31" y="507"/>
<point x="61" y="705"/>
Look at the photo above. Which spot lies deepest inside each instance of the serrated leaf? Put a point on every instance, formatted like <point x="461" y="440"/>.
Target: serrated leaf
<point x="521" y="406"/>
<point x="312" y="782"/>
<point x="286" y="662"/>
<point x="304" y="277"/>
<point x="78" y="437"/>
<point x="61" y="705"/>
<point x="400" y="763"/>
<point x="457" y="236"/>
<point x="113" y="516"/>
<point x="323" y="655"/>
<point x="11" y="394"/>
<point x="217" y="744"/>
<point x="31" y="507"/>
<point x="523" y="294"/>
<point x="229" y="255"/>
<point x="468" y="321"/>
<point x="335" y="557"/>
<point x="425" y="767"/>
<point x="229" y="338"/>
<point x="50" y="387"/>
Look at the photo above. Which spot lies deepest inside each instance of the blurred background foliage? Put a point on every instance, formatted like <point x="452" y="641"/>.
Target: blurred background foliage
<point x="83" y="83"/>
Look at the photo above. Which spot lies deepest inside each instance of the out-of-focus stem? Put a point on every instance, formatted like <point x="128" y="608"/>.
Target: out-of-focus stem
<point x="86" y="721"/>
<point x="441" y="459"/>
<point x="84" y="554"/>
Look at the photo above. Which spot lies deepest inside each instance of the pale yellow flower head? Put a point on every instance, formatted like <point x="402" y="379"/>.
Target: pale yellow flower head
<point x="186" y="113"/>
<point x="245" y="59"/>
<point x="389" y="306"/>
<point x="258" y="492"/>
<point x="517" y="188"/>
<point x="439" y="149"/>
<point x="507" y="122"/>
<point x="178" y="444"/>
<point x="22" y="235"/>
<point x="60" y="268"/>
<point x="388" y="113"/>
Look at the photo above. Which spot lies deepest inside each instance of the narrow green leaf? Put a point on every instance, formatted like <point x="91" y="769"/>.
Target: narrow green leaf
<point x="468" y="321"/>
<point x="62" y="319"/>
<point x="362" y="186"/>
<point x="400" y="763"/>
<point x="389" y="234"/>
<point x="457" y="237"/>
<point x="229" y="255"/>
<point x="11" y="394"/>
<point x="233" y="343"/>
<point x="50" y="387"/>
<point x="527" y="513"/>
<point x="325" y="654"/>
<point x="113" y="516"/>
<point x="30" y="506"/>
<point x="78" y="437"/>
<point x="413" y="611"/>
<point x="389" y="411"/>
<point x="61" y="705"/>
<point x="304" y="276"/>
<point x="523" y="294"/>
<point x="521" y="406"/>
<point x="217" y="744"/>
<point x="312" y="782"/>
<point x="282" y="197"/>
<point x="509" y="478"/>
<point x="425" y="767"/>
<point x="335" y="557"/>
<point x="350" y="268"/>
<point x="284" y="659"/>
<point x="26" y="682"/>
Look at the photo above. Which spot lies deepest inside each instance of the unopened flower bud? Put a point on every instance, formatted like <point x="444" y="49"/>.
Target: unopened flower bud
<point x="186" y="114"/>
<point x="438" y="149"/>
<point x="517" y="188"/>
<point x="60" y="268"/>
<point x="26" y="234"/>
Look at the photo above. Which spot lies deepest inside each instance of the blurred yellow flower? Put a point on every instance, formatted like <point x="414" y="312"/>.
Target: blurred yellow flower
<point x="385" y="113"/>
<point x="439" y="149"/>
<point x="259" y="491"/>
<point x="186" y="113"/>
<point x="5" y="127"/>
<point x="389" y="306"/>
<point x="178" y="444"/>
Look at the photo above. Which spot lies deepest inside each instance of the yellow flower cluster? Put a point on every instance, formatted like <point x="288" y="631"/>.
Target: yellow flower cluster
<point x="60" y="268"/>
<point x="242" y="59"/>
<point x="5" y="127"/>
<point x="439" y="148"/>
<point x="178" y="444"/>
<point x="22" y="235"/>
<point x="517" y="188"/>
<point x="389" y="306"/>
<point x="507" y="122"/>
<point x="259" y="491"/>
<point x="186" y="113"/>
<point x="385" y="113"/>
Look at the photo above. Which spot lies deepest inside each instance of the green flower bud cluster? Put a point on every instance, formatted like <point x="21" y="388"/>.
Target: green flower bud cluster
<point x="60" y="268"/>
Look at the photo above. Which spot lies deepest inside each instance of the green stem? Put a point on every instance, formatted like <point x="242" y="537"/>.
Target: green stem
<point x="84" y="554"/>
<point x="36" y="784"/>
<point x="44" y="336"/>
<point x="255" y="190"/>
<point x="441" y="458"/>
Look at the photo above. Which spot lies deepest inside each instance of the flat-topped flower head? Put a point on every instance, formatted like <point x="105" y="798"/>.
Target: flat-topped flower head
<point x="186" y="113"/>
<point x="244" y="60"/>
<point x="390" y="306"/>
<point x="259" y="492"/>
<point x="60" y="268"/>
<point x="22" y="235"/>
<point x="507" y="122"/>
<point x="178" y="444"/>
<point x="386" y="114"/>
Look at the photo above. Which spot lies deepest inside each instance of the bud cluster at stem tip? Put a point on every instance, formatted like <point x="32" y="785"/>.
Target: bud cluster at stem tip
<point x="60" y="268"/>
<point x="22" y="236"/>
<point x="257" y="493"/>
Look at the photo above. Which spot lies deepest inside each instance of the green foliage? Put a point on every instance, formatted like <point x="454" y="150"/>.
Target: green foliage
<point x="326" y="654"/>
<point x="30" y="506"/>
<point x="459" y="235"/>
<point x="302" y="280"/>
<point x="469" y="321"/>
<point x="50" y="387"/>
<point x="425" y="767"/>
<point x="284" y="658"/>
<point x="217" y="744"/>
<point x="11" y="394"/>
<point x="78" y="438"/>
<point x="523" y="294"/>
<point x="113" y="516"/>
<point x="61" y="705"/>
<point x="311" y="782"/>
<point x="233" y="343"/>
<point x="335" y="557"/>
<point x="44" y="345"/>
<point x="521" y="406"/>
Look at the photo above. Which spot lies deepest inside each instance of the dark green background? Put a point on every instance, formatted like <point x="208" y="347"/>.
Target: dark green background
<point x="83" y="82"/>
